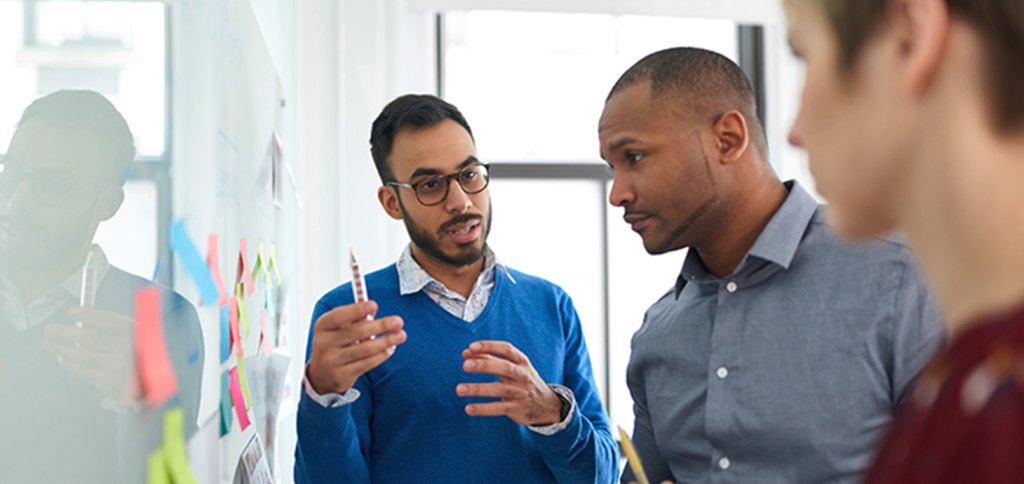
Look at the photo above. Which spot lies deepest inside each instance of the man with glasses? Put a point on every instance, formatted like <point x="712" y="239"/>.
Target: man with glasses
<point x="472" y="372"/>
<point x="71" y="406"/>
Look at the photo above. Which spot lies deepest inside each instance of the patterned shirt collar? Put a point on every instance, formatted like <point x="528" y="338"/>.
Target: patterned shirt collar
<point x="412" y="277"/>
<point x="24" y="316"/>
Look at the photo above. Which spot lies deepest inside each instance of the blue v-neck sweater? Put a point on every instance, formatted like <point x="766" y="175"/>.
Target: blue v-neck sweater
<point x="409" y="426"/>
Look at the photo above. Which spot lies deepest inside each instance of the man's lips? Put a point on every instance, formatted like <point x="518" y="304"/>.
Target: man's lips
<point x="464" y="232"/>
<point x="636" y="220"/>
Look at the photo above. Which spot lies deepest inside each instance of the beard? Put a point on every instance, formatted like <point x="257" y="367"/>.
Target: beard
<point x="50" y="252"/>
<point x="430" y="243"/>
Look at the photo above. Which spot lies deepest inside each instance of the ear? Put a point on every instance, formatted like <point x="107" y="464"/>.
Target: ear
<point x="389" y="200"/>
<point x="923" y="27"/>
<point x="731" y="137"/>
<point x="109" y="203"/>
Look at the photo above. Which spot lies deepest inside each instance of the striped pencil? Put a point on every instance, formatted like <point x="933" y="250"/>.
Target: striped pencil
<point x="359" y="292"/>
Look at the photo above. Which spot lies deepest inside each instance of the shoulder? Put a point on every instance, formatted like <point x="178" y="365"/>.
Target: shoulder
<point x="532" y="284"/>
<point x="821" y="242"/>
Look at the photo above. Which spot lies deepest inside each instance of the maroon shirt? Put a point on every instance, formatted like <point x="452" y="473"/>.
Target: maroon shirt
<point x="965" y="421"/>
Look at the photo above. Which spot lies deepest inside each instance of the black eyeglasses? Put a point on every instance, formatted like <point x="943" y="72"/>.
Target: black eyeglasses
<point x="50" y="186"/>
<point x="434" y="190"/>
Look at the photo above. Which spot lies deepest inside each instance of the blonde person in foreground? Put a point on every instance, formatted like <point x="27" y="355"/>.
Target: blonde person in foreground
<point x="913" y="117"/>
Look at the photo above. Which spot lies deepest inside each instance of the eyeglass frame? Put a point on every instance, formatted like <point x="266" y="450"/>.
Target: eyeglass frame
<point x="447" y="183"/>
<point x="32" y="185"/>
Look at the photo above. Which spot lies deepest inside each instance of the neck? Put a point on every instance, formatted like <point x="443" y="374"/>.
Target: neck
<point x="748" y="212"/>
<point x="33" y="282"/>
<point x="964" y="216"/>
<point x="459" y="279"/>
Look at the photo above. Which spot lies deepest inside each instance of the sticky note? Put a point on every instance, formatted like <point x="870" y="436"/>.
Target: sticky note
<point x="264" y="337"/>
<point x="238" y="400"/>
<point x="233" y="322"/>
<point x="174" y="447"/>
<point x="225" y="403"/>
<point x="225" y="333"/>
<point x="273" y="263"/>
<point x="243" y="275"/>
<point x="156" y="468"/>
<point x="213" y="263"/>
<point x="154" y="362"/>
<point x="243" y="380"/>
<point x="189" y="257"/>
<point x="243" y="313"/>
<point x="261" y="263"/>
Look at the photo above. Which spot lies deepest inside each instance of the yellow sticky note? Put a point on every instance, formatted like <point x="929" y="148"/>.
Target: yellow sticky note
<point x="175" y="456"/>
<point x="273" y="262"/>
<point x="243" y="315"/>
<point x="244" y="382"/>
<point x="156" y="469"/>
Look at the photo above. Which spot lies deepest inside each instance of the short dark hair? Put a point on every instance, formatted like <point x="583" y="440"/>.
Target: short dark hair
<point x="416" y="111"/>
<point x="708" y="84"/>
<point x="999" y="23"/>
<point x="90" y="112"/>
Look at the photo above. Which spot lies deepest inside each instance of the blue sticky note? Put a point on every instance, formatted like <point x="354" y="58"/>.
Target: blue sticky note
<point x="225" y="334"/>
<point x="193" y="262"/>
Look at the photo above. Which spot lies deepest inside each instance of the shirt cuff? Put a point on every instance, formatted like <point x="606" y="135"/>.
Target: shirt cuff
<point x="329" y="400"/>
<point x="557" y="427"/>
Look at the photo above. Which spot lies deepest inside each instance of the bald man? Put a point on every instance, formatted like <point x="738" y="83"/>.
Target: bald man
<point x="781" y="353"/>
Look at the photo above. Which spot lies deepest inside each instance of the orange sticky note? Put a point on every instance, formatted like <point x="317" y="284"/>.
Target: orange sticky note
<point x="264" y="337"/>
<point x="213" y="261"/>
<point x="238" y="400"/>
<point x="233" y="322"/>
<point x="154" y="362"/>
<point x="244" y="276"/>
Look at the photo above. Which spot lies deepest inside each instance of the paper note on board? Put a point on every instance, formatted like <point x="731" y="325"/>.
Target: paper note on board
<point x="154" y="363"/>
<point x="194" y="264"/>
<point x="238" y="400"/>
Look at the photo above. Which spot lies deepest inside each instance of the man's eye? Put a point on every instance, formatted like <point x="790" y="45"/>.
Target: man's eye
<point x="634" y="158"/>
<point x="430" y="184"/>
<point x="468" y="175"/>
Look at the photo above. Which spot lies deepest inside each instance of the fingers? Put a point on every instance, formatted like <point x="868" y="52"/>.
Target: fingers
<point x="337" y="361"/>
<point x="343" y="316"/>
<point x="494" y="366"/>
<point x="493" y="409"/>
<point x="499" y="348"/>
<point x="77" y="355"/>
<point x="496" y="389"/>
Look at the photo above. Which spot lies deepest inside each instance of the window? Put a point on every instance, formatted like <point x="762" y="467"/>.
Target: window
<point x="119" y="50"/>
<point x="532" y="85"/>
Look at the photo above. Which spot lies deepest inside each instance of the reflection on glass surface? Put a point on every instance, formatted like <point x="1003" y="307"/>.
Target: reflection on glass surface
<point x="72" y="408"/>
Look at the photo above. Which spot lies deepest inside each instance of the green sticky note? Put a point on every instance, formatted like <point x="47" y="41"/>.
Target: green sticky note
<point x="174" y="452"/>
<point x="225" y="403"/>
<point x="244" y="382"/>
<point x="156" y="469"/>
<point x="243" y="314"/>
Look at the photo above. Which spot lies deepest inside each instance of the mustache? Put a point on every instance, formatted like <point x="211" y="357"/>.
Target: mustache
<point x="19" y="221"/>
<point x="459" y="219"/>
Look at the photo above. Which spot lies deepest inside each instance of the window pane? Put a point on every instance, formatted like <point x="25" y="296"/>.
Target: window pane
<point x="114" y="48"/>
<point x="532" y="85"/>
<point x="552" y="229"/>
<point x="129" y="238"/>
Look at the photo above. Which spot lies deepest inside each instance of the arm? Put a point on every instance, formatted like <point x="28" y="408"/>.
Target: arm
<point x="584" y="451"/>
<point x="643" y="429"/>
<point x="333" y="442"/>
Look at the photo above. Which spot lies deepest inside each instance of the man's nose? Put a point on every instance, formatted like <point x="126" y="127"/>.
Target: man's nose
<point x="458" y="201"/>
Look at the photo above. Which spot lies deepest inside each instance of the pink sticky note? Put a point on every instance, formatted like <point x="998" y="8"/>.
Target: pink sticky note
<point x="233" y="321"/>
<point x="213" y="260"/>
<point x="154" y="362"/>
<point x="243" y="270"/>
<point x="264" y="337"/>
<point x="238" y="400"/>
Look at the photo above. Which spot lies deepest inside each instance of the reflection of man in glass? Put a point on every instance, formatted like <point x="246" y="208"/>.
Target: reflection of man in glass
<point x="71" y="407"/>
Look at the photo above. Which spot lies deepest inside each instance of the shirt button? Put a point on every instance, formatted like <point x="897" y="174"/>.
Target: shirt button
<point x="731" y="287"/>
<point x="722" y="372"/>
<point x="724" y="463"/>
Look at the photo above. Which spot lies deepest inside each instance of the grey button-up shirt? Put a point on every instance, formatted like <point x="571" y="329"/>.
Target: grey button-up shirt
<point x="789" y="369"/>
